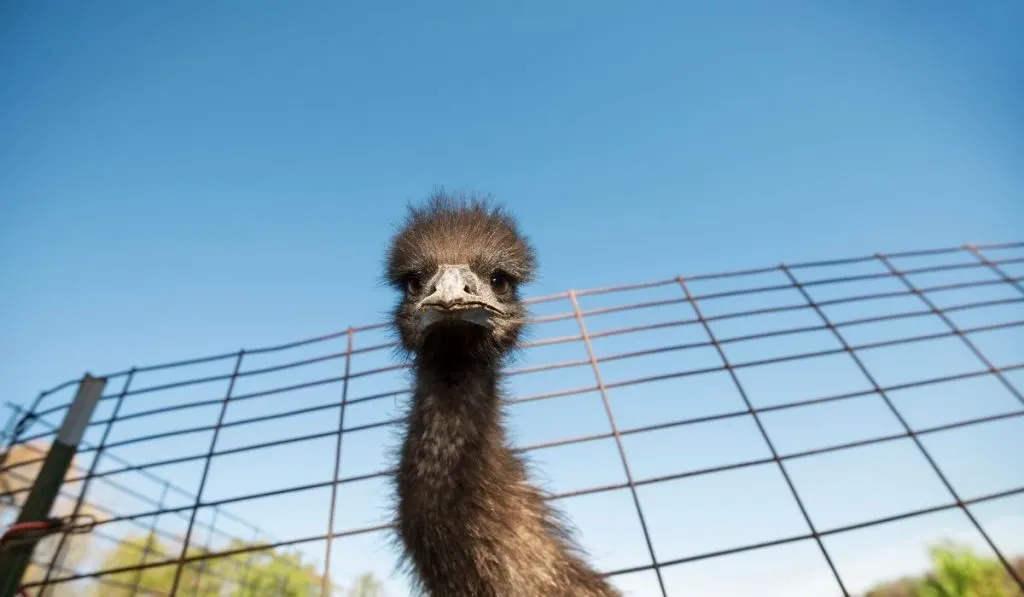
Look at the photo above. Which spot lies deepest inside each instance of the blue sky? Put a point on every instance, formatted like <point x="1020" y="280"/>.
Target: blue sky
<point x="178" y="181"/>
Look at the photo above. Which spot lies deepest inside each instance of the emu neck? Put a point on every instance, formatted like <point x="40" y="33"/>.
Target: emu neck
<point x="455" y="431"/>
<point x="471" y="523"/>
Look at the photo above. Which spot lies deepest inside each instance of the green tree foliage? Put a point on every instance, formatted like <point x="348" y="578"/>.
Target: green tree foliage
<point x="365" y="586"/>
<point x="136" y="550"/>
<point x="956" y="572"/>
<point x="253" y="573"/>
<point x="269" y="572"/>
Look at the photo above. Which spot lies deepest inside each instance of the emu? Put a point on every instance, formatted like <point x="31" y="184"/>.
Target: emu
<point x="469" y="522"/>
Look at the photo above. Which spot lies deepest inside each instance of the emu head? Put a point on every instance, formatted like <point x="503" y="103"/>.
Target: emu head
<point x="458" y="263"/>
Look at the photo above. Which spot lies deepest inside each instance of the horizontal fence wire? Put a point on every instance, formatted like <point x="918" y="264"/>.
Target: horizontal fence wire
<point x="960" y="309"/>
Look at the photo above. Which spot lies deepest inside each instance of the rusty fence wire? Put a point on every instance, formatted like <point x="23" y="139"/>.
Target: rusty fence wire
<point x="771" y="379"/>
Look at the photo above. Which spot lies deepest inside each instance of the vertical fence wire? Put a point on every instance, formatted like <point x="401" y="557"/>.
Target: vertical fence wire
<point x="618" y="438"/>
<point x="326" y="584"/>
<point x="206" y="471"/>
<point x="764" y="432"/>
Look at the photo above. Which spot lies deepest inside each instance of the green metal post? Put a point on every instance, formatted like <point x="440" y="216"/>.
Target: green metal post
<point x="14" y="560"/>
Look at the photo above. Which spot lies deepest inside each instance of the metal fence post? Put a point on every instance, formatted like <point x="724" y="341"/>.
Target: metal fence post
<point x="15" y="559"/>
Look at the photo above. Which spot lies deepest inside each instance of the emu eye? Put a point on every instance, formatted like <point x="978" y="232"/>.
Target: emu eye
<point x="501" y="282"/>
<point x="413" y="285"/>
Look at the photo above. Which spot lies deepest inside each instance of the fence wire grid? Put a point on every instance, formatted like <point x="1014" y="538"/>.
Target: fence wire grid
<point x="690" y="427"/>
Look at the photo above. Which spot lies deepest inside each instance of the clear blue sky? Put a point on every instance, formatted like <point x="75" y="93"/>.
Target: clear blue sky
<point x="184" y="180"/>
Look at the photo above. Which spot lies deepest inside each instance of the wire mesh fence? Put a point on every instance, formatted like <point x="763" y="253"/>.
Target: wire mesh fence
<point x="801" y="429"/>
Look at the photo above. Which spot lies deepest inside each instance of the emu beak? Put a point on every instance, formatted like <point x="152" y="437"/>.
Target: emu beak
<point x="456" y="293"/>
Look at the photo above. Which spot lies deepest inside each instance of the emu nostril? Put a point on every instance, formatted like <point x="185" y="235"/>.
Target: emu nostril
<point x="466" y="289"/>
<point x="433" y="289"/>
